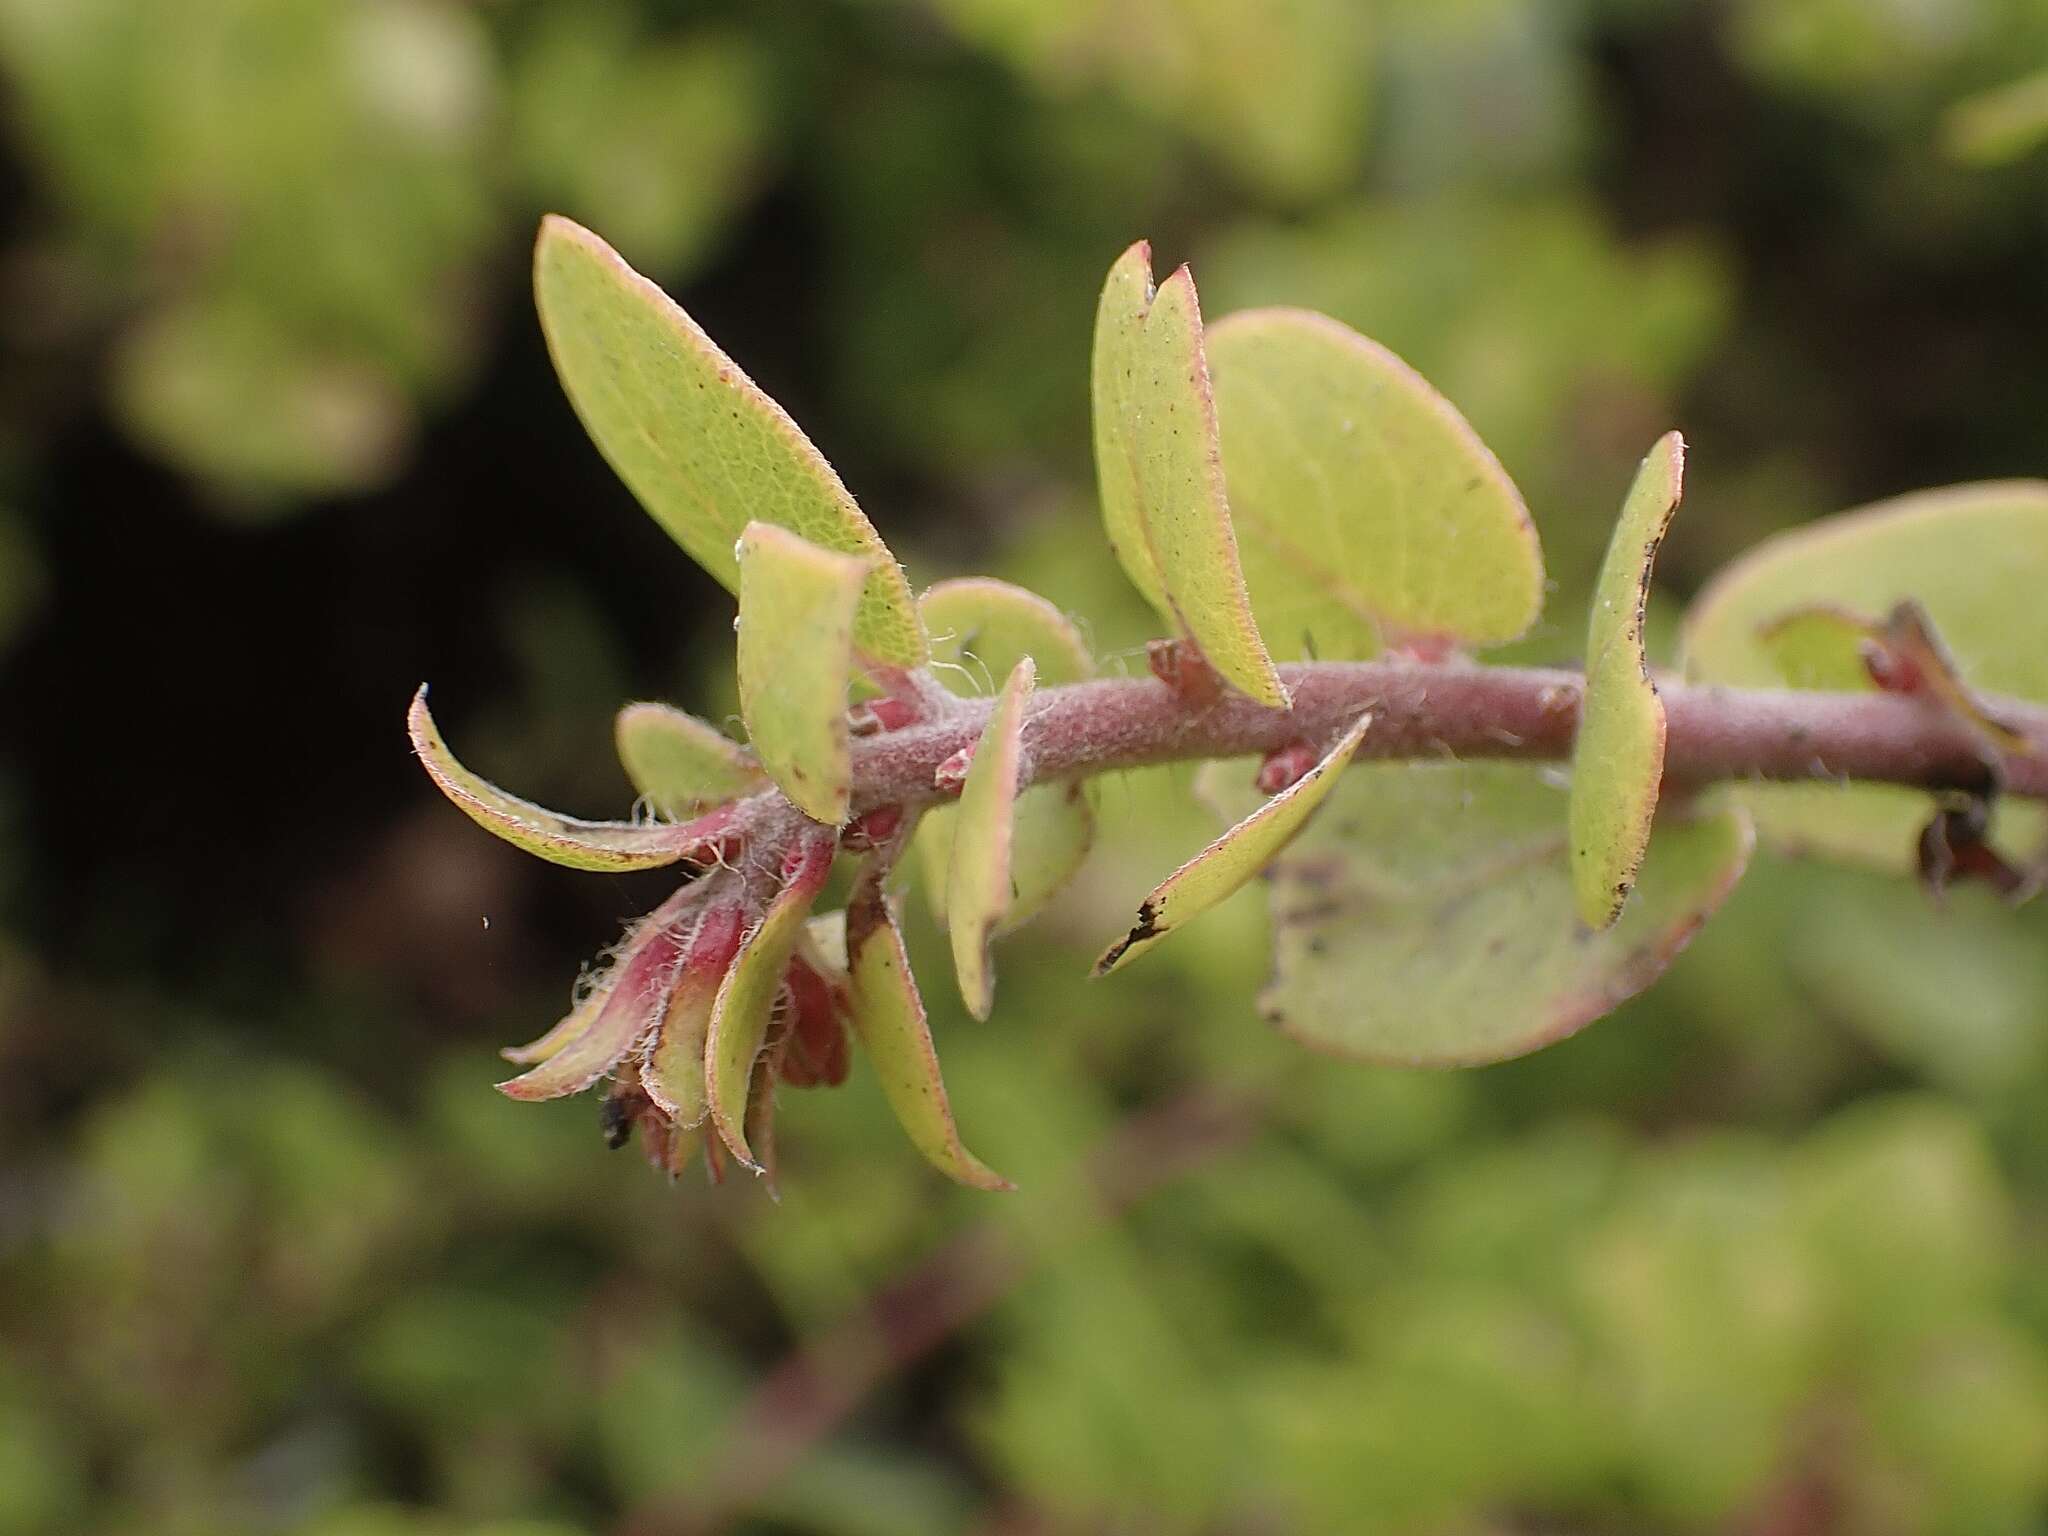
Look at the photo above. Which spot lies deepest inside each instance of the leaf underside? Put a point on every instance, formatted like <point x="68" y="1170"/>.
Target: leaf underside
<point x="889" y="1017"/>
<point x="1367" y="510"/>
<point x="984" y="628"/>
<point x="565" y="840"/>
<point x="796" y="661"/>
<point x="1975" y="557"/>
<point x="1234" y="858"/>
<point x="1425" y="917"/>
<point x="1618" y="759"/>
<point x="701" y="446"/>
<point x="978" y="890"/>
<point x="1159" y="465"/>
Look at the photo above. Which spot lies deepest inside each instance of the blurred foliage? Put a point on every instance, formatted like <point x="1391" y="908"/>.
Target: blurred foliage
<point x="1763" y="1253"/>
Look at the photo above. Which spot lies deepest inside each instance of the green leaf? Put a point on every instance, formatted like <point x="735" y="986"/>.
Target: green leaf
<point x="1820" y="646"/>
<point x="1161" y="471"/>
<point x="693" y="437"/>
<point x="1618" y="760"/>
<point x="979" y="628"/>
<point x="985" y="628"/>
<point x="1235" y="857"/>
<point x="745" y="1005"/>
<point x="978" y="890"/>
<point x="1367" y="510"/>
<point x="1426" y="917"/>
<point x="797" y="603"/>
<point x="2000" y="125"/>
<point x="889" y="1017"/>
<point x="1975" y="557"/>
<point x="682" y="764"/>
<point x="559" y="839"/>
<point x="674" y="1070"/>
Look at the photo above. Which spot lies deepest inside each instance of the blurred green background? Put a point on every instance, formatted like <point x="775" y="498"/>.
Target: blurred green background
<point x="1766" y="1253"/>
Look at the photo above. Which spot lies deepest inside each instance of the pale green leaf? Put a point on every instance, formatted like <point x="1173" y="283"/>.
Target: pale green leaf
<point x="681" y="764"/>
<point x="1160" y="470"/>
<point x="796" y="660"/>
<point x="745" y="1005"/>
<point x="1618" y="759"/>
<point x="985" y="627"/>
<point x="978" y="889"/>
<point x="693" y="437"/>
<point x="673" y="1072"/>
<point x="889" y="1017"/>
<point x="979" y="628"/>
<point x="1367" y="510"/>
<point x="1235" y="857"/>
<point x="1975" y="557"/>
<point x="1053" y="832"/>
<point x="1819" y="646"/>
<point x="559" y="839"/>
<point x="1426" y="918"/>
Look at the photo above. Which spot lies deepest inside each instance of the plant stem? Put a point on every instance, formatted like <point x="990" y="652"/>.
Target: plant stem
<point x="1434" y="711"/>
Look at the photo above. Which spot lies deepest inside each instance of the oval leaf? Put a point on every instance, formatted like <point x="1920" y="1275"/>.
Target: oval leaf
<point x="1161" y="471"/>
<point x="559" y="839"/>
<point x="797" y="604"/>
<point x="681" y="764"/>
<point x="889" y="1017"/>
<point x="693" y="437"/>
<point x="1618" y="759"/>
<point x="1425" y="919"/>
<point x="1367" y="510"/>
<point x="1975" y="557"/>
<point x="745" y="1005"/>
<point x="986" y="627"/>
<point x="1235" y="857"/>
<point x="978" y="880"/>
<point x="673" y="1073"/>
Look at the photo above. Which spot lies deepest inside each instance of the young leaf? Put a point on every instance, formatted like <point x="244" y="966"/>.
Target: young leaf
<point x="1975" y="558"/>
<point x="986" y="627"/>
<point x="1425" y="918"/>
<point x="559" y="839"/>
<point x="889" y="1017"/>
<point x="1366" y="508"/>
<point x="978" y="880"/>
<point x="797" y="604"/>
<point x="620" y="1016"/>
<point x="673" y="1073"/>
<point x="1618" y="760"/>
<point x="1820" y="646"/>
<point x="682" y="764"/>
<point x="693" y="437"/>
<point x="1161" y="472"/>
<point x="745" y="1005"/>
<point x="1235" y="857"/>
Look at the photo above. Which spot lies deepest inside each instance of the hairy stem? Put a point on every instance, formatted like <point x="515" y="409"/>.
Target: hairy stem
<point x="1466" y="711"/>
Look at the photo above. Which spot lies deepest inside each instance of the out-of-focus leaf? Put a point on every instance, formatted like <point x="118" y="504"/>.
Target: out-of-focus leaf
<point x="680" y="763"/>
<point x="693" y="437"/>
<point x="1618" y="759"/>
<point x="1160" y="470"/>
<point x="1819" y="646"/>
<point x="1974" y="557"/>
<point x="1996" y="126"/>
<point x="656" y="139"/>
<point x="978" y="878"/>
<point x="1366" y="509"/>
<point x="1425" y="918"/>
<point x="1235" y="857"/>
<point x="746" y="998"/>
<point x="559" y="839"/>
<point x="889" y="1017"/>
<point x="796" y="658"/>
<point x="984" y="627"/>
